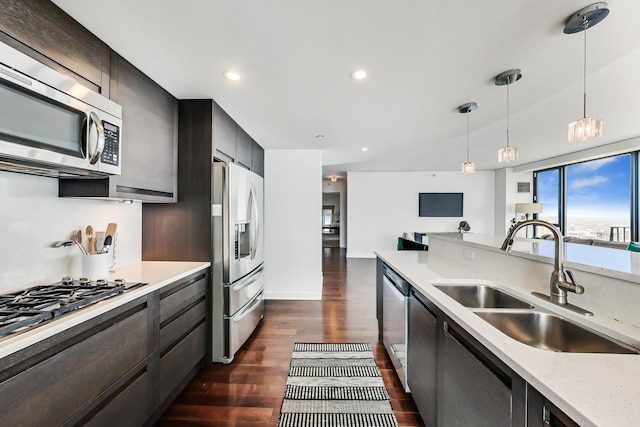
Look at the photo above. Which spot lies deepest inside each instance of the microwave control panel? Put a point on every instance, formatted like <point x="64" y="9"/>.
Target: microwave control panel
<point x="111" y="153"/>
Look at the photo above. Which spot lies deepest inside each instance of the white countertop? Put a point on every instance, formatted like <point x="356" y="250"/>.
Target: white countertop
<point x="156" y="273"/>
<point x="618" y="263"/>
<point x="592" y="389"/>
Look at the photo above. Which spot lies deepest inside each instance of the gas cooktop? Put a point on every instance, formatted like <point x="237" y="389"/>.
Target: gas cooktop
<point x="28" y="307"/>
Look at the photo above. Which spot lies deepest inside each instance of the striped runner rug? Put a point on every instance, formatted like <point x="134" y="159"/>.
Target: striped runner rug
<point x="335" y="385"/>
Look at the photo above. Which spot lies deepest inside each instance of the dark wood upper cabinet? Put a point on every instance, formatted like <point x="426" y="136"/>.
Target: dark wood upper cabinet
<point x="233" y="144"/>
<point x="224" y="135"/>
<point x="243" y="148"/>
<point x="149" y="142"/>
<point x="46" y="33"/>
<point x="257" y="158"/>
<point x="149" y="136"/>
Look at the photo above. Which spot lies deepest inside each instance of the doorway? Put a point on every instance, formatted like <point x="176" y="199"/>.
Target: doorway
<point x="330" y="220"/>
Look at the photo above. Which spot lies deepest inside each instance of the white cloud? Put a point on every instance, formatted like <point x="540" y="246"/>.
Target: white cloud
<point x="592" y="165"/>
<point x="579" y="184"/>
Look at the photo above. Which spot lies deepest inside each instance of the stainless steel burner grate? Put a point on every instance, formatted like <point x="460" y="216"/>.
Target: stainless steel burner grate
<point x="23" y="309"/>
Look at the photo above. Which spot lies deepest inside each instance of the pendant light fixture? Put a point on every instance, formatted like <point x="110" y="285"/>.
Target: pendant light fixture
<point x="508" y="153"/>
<point x="468" y="167"/>
<point x="586" y="128"/>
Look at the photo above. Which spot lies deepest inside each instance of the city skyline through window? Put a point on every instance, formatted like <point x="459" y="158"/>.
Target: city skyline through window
<point x="597" y="198"/>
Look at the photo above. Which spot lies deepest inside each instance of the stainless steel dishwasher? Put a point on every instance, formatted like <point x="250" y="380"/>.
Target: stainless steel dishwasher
<point x="395" y="304"/>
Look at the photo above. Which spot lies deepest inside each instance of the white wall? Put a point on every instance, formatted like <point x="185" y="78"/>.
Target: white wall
<point x="506" y="197"/>
<point x="382" y="205"/>
<point x="293" y="224"/>
<point x="339" y="186"/>
<point x="33" y="218"/>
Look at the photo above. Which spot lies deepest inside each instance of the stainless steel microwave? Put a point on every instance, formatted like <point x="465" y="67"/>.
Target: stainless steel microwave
<point x="51" y="125"/>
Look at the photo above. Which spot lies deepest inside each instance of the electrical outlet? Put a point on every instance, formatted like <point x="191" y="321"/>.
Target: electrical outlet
<point x="469" y="254"/>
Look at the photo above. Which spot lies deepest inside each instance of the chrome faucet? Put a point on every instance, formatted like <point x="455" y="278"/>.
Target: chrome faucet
<point x="561" y="280"/>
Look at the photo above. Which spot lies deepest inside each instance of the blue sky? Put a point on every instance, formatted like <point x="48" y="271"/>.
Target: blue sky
<point x="595" y="189"/>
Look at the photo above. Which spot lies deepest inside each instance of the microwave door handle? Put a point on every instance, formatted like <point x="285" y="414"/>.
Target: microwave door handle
<point x="94" y="156"/>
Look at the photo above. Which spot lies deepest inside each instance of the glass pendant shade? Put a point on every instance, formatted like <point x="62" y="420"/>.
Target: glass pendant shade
<point x="468" y="168"/>
<point x="507" y="154"/>
<point x="585" y="129"/>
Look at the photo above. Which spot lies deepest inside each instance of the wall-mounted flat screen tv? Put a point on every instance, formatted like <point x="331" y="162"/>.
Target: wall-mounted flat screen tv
<point x="440" y="204"/>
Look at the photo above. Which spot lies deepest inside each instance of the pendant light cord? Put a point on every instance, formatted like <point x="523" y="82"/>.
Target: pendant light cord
<point x="584" y="87"/>
<point x="508" y="84"/>
<point x="468" y="114"/>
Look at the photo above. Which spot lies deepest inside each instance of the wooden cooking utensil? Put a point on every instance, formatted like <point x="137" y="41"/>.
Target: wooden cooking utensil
<point x="91" y="238"/>
<point x="111" y="231"/>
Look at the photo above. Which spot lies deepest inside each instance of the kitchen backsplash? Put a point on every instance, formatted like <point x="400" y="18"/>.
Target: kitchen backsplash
<point x="33" y="219"/>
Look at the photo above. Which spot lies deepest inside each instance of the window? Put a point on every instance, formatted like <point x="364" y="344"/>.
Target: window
<point x="548" y="193"/>
<point x="599" y="199"/>
<point x="590" y="200"/>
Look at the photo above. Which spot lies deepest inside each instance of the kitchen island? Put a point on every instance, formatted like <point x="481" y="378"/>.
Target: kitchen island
<point x="593" y="389"/>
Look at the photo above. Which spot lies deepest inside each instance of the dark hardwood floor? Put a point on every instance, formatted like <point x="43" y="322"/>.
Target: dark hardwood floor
<point x="248" y="392"/>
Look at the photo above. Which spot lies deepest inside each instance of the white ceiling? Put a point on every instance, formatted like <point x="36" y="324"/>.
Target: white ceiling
<point x="424" y="59"/>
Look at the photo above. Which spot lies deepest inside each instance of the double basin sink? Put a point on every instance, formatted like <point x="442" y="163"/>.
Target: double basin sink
<point x="521" y="321"/>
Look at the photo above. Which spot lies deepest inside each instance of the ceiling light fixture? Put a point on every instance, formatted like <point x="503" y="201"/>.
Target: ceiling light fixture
<point x="319" y="136"/>
<point x="334" y="178"/>
<point x="586" y="128"/>
<point x="231" y="75"/>
<point x="358" y="74"/>
<point x="508" y="154"/>
<point x="364" y="149"/>
<point x="468" y="167"/>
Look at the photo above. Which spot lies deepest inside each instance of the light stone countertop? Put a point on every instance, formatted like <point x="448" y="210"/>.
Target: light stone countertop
<point x="592" y="389"/>
<point x="617" y="263"/>
<point x="156" y="273"/>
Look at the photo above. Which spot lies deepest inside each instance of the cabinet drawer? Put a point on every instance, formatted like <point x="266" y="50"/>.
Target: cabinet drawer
<point x="181" y="293"/>
<point x="129" y="408"/>
<point x="178" y="361"/>
<point x="54" y="389"/>
<point x="183" y="320"/>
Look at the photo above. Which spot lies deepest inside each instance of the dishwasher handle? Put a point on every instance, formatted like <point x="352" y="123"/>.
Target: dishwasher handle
<point x="398" y="282"/>
<point x="393" y="288"/>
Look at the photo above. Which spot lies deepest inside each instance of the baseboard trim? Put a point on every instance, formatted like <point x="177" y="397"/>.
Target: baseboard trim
<point x="298" y="296"/>
<point x="360" y="255"/>
<point x="291" y="292"/>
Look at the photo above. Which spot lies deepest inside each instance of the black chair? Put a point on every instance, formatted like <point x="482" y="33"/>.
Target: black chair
<point x="410" y="245"/>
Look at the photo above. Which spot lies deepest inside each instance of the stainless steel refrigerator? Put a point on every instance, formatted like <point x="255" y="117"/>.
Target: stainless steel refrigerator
<point x="237" y="277"/>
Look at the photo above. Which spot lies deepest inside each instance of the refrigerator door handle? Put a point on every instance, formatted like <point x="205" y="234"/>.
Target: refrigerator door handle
<point x="252" y="306"/>
<point x="255" y="226"/>
<point x="251" y="279"/>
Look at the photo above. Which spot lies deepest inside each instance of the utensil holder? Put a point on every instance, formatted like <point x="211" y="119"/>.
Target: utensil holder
<point x="96" y="266"/>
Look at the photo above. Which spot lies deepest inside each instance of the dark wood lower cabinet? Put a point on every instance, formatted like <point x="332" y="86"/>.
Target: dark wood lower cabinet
<point x="422" y="357"/>
<point x="542" y="413"/>
<point x="120" y="368"/>
<point x="130" y="403"/>
<point x="475" y="392"/>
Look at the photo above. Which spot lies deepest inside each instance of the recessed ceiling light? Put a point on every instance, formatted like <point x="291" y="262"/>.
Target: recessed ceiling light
<point x="358" y="74"/>
<point x="232" y="75"/>
<point x="364" y="149"/>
